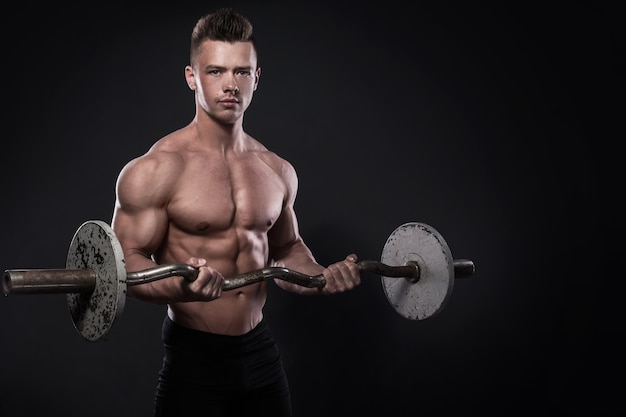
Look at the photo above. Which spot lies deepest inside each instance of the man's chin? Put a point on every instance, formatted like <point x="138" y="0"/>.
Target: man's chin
<point x="227" y="118"/>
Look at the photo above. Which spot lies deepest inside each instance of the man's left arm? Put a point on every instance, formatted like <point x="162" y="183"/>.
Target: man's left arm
<point x="288" y="250"/>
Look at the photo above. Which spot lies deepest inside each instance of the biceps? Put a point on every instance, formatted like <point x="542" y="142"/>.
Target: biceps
<point x="284" y="234"/>
<point x="140" y="230"/>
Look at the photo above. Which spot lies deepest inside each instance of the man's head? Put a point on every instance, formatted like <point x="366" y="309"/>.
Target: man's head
<point x="225" y="25"/>
<point x="223" y="69"/>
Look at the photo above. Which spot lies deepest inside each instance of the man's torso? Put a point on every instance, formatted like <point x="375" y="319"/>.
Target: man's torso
<point x="222" y="209"/>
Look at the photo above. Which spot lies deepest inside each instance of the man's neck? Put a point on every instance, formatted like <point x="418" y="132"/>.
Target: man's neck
<point x="216" y="134"/>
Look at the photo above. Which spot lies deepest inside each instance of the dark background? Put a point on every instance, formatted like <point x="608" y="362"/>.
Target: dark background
<point x="497" y="125"/>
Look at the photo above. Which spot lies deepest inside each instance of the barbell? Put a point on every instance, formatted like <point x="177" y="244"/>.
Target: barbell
<point x="95" y="277"/>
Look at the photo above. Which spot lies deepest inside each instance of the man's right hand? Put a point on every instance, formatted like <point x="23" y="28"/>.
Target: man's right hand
<point x="207" y="286"/>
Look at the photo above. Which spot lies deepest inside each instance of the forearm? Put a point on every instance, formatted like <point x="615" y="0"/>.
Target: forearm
<point x="161" y="291"/>
<point x="300" y="259"/>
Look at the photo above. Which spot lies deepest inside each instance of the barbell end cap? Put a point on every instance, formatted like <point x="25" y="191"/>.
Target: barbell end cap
<point x="6" y="283"/>
<point x="463" y="268"/>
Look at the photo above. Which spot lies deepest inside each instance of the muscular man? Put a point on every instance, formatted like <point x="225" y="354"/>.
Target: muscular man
<point x="214" y="197"/>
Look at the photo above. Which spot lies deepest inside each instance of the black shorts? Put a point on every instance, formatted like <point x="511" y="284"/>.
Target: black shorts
<point x="217" y="375"/>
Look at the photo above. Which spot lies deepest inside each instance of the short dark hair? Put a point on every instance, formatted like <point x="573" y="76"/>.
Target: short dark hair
<point x="225" y="25"/>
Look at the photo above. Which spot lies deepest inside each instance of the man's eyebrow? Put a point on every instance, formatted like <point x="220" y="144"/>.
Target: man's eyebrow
<point x="212" y="67"/>
<point x="221" y="68"/>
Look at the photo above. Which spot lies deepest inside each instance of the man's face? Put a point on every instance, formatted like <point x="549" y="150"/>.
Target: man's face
<point x="225" y="76"/>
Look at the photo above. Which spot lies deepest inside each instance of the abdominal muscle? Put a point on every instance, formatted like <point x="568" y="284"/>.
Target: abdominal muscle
<point x="237" y="311"/>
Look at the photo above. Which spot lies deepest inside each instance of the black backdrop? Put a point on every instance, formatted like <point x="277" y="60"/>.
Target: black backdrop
<point x="494" y="124"/>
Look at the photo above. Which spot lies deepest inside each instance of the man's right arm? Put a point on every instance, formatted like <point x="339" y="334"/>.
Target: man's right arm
<point x="140" y="222"/>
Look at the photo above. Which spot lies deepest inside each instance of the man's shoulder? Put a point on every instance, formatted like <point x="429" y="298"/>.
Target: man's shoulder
<point x="272" y="158"/>
<point x="171" y="143"/>
<point x="160" y="159"/>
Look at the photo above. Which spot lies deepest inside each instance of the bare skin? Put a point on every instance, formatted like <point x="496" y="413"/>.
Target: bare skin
<point x="212" y="196"/>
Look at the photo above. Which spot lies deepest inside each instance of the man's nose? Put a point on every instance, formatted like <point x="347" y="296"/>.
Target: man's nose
<point x="230" y="85"/>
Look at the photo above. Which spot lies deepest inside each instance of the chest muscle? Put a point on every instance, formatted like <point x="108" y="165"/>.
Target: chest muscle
<point x="215" y="195"/>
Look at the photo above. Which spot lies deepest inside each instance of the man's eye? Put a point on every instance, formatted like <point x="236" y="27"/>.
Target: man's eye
<point x="244" y="72"/>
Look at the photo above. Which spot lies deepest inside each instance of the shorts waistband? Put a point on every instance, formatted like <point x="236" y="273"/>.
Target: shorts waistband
<point x="181" y="335"/>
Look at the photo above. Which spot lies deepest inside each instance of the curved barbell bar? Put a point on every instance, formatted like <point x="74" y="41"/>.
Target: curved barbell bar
<point x="462" y="268"/>
<point x="48" y="281"/>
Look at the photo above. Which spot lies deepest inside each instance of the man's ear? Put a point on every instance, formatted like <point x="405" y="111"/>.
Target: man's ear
<point x="190" y="77"/>
<point x="257" y="75"/>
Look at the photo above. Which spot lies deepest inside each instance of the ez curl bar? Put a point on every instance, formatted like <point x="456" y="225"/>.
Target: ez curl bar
<point x="95" y="277"/>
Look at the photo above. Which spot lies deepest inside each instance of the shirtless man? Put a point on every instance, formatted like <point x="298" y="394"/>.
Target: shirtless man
<point x="214" y="197"/>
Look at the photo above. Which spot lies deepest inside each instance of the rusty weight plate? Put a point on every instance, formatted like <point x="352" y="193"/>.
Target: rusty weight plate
<point x="95" y="246"/>
<point x="420" y="243"/>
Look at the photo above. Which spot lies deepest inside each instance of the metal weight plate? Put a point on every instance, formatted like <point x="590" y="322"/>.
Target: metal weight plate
<point x="95" y="246"/>
<point x="420" y="243"/>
